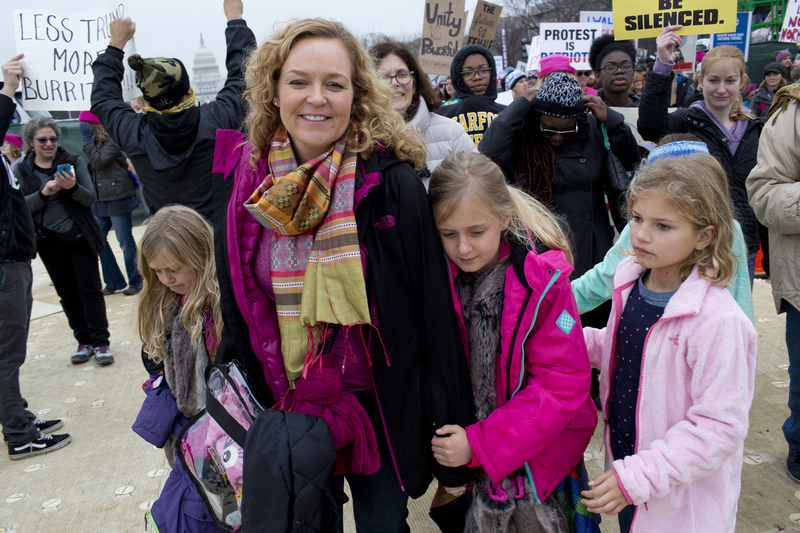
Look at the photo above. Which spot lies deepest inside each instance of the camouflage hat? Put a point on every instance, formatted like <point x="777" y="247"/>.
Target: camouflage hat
<point x="163" y="80"/>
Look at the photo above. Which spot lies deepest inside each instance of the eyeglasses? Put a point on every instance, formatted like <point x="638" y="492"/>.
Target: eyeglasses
<point x="585" y="73"/>
<point x="403" y="77"/>
<point x="45" y="140"/>
<point x="611" y="68"/>
<point x="550" y="133"/>
<point x="482" y="73"/>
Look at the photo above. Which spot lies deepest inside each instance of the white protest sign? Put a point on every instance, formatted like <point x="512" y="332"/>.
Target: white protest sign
<point x="572" y="39"/>
<point x="484" y="24"/>
<point x="59" y="48"/>
<point x="790" y="32"/>
<point x="533" y="54"/>
<point x="604" y="18"/>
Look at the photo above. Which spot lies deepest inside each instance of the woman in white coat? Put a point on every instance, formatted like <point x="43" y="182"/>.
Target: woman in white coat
<point x="416" y="99"/>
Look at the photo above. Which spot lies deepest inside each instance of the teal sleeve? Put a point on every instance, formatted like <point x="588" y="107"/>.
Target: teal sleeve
<point x="740" y="288"/>
<point x="596" y="285"/>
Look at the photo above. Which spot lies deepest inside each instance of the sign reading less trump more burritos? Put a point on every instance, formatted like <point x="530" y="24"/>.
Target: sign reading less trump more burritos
<point x="635" y="19"/>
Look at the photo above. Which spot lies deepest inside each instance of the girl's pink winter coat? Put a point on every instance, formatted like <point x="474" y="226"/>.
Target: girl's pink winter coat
<point x="692" y="415"/>
<point x="550" y="418"/>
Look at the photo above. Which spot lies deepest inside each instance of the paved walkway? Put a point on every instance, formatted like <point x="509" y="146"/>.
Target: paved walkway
<point x="106" y="478"/>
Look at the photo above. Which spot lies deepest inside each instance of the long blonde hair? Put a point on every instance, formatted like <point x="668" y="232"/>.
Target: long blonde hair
<point x="469" y="176"/>
<point x="697" y="188"/>
<point x="182" y="237"/>
<point x="732" y="54"/>
<point x="372" y="115"/>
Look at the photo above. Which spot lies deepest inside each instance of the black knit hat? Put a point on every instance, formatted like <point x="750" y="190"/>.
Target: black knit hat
<point x="604" y="45"/>
<point x="774" y="67"/>
<point x="559" y="96"/>
<point x="163" y="80"/>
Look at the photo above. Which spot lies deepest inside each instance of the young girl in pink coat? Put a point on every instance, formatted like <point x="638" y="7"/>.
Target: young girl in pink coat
<point x="509" y="270"/>
<point x="677" y="358"/>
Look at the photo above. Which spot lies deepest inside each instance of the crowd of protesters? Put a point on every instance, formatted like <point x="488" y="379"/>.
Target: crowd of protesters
<point x="449" y="287"/>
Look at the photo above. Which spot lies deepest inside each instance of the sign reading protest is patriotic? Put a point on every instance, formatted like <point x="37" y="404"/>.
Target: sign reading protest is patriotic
<point x="604" y="18"/>
<point x="484" y="24"/>
<point x="790" y="32"/>
<point x="646" y="18"/>
<point x="59" y="48"/>
<point x="572" y="39"/>
<point x="442" y="34"/>
<point x="739" y="38"/>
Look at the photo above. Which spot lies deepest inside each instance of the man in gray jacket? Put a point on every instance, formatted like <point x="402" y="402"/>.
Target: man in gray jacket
<point x="172" y="146"/>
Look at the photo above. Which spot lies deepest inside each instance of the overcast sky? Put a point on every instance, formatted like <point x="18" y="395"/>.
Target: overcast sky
<point x="172" y="28"/>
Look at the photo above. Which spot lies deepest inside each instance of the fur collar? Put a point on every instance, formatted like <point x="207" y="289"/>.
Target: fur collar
<point x="184" y="368"/>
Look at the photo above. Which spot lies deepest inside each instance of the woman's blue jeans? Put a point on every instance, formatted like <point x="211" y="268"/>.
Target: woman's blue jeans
<point x="112" y="276"/>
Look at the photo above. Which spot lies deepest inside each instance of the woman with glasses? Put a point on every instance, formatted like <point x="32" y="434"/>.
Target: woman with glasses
<point x="60" y="194"/>
<point x="474" y="77"/>
<point x="415" y="99"/>
<point x="552" y="149"/>
<point x="613" y="63"/>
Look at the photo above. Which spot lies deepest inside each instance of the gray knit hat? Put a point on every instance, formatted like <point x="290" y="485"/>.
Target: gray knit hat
<point x="559" y="96"/>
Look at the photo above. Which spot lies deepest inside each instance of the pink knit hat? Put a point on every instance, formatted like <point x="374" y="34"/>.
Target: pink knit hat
<point x="16" y="140"/>
<point x="88" y="116"/>
<point x="555" y="63"/>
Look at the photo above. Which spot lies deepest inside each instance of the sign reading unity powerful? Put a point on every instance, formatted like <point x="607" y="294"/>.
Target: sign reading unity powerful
<point x="59" y="48"/>
<point x="634" y="19"/>
<point x="442" y="34"/>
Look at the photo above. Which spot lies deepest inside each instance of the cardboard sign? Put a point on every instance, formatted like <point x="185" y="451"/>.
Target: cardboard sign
<point x="484" y="24"/>
<point x="790" y="32"/>
<point x="646" y="18"/>
<point x="740" y="38"/>
<point x="572" y="39"/>
<point x="604" y="18"/>
<point x="59" y="48"/>
<point x="443" y="28"/>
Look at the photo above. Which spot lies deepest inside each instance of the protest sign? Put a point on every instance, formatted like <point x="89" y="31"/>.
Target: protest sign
<point x="572" y="39"/>
<point x="790" y="32"/>
<point x="443" y="28"/>
<point x="739" y="38"/>
<point x="534" y="57"/>
<point x="59" y="48"/>
<point x="646" y="18"/>
<point x="604" y="18"/>
<point x="484" y="24"/>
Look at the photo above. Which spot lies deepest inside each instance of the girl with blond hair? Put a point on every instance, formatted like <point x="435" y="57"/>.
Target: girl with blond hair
<point x="334" y="282"/>
<point x="677" y="358"/>
<point x="509" y="266"/>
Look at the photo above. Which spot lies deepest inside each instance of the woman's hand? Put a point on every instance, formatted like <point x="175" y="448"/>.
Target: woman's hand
<point x="453" y="450"/>
<point x="606" y="496"/>
<point x="454" y="491"/>
<point x="64" y="180"/>
<point x="596" y="106"/>
<point x="51" y="187"/>
<point x="667" y="41"/>
<point x="12" y="72"/>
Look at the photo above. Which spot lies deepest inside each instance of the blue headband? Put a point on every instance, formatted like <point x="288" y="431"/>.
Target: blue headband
<point x="676" y="149"/>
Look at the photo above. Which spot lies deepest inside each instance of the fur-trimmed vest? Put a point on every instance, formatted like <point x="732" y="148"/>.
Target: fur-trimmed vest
<point x="508" y="506"/>
<point x="184" y="367"/>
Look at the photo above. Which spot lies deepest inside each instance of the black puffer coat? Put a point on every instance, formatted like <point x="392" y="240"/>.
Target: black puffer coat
<point x="110" y="171"/>
<point x="655" y="121"/>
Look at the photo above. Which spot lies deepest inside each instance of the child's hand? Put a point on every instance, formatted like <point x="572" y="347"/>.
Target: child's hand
<point x="454" y="450"/>
<point x="607" y="496"/>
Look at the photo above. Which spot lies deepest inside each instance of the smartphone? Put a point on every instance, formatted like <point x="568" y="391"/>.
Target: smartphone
<point x="64" y="168"/>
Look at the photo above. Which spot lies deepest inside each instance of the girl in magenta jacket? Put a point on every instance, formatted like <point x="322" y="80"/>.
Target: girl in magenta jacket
<point x="677" y="359"/>
<point x="509" y="271"/>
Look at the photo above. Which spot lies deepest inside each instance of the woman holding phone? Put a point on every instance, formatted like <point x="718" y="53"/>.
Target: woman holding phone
<point x="59" y="193"/>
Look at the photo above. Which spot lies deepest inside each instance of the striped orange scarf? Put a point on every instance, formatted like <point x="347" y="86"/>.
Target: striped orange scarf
<point x="315" y="259"/>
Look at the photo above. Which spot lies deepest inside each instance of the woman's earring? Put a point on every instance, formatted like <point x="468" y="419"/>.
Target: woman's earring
<point x="275" y="103"/>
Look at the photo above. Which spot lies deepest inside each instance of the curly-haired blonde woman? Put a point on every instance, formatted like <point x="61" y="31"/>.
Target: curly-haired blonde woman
<point x="333" y="281"/>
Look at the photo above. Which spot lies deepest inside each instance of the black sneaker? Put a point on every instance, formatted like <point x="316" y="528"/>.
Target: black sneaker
<point x="82" y="354"/>
<point x="44" y="444"/>
<point x="793" y="464"/>
<point x="47" y="426"/>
